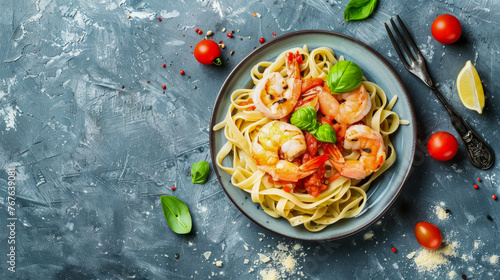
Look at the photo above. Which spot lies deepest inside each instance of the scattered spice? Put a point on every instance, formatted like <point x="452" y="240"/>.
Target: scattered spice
<point x="160" y="19"/>
<point x="230" y="35"/>
<point x="123" y="86"/>
<point x="194" y="87"/>
<point x="254" y="14"/>
<point x="464" y="276"/>
<point x="261" y="40"/>
<point x="173" y="188"/>
<point x="394" y="249"/>
<point x="196" y="30"/>
<point x="200" y="32"/>
<point x="274" y="34"/>
<point x="220" y="42"/>
<point x="164" y="87"/>
<point x="476" y="187"/>
<point x="182" y="72"/>
<point x="222" y="46"/>
<point x="494" y="197"/>
<point x="128" y="16"/>
<point x="232" y="52"/>
<point x="164" y="65"/>
<point x="210" y="33"/>
<point x="176" y="256"/>
<point x="447" y="210"/>
<point x="489" y="218"/>
<point x="249" y="37"/>
<point x="479" y="179"/>
<point x="149" y="82"/>
<point x="224" y="29"/>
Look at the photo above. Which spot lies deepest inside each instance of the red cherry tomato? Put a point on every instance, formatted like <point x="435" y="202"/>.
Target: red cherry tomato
<point x="428" y="235"/>
<point x="207" y="52"/>
<point x="442" y="146"/>
<point x="446" y="29"/>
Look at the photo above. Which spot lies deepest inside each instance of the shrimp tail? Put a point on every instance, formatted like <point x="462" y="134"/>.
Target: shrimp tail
<point x="336" y="157"/>
<point x="292" y="66"/>
<point x="314" y="163"/>
<point x="308" y="84"/>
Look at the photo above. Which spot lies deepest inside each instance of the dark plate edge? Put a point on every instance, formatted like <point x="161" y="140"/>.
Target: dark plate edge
<point x="413" y="120"/>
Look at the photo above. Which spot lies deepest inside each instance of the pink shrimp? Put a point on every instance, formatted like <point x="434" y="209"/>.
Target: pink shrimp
<point x="276" y="96"/>
<point x="356" y="106"/>
<point x="365" y="140"/>
<point x="279" y="137"/>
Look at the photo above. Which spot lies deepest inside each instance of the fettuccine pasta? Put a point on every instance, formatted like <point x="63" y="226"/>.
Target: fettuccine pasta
<point x="343" y="197"/>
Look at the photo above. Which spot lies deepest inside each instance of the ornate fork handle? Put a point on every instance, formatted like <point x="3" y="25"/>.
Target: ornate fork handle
<point x="479" y="152"/>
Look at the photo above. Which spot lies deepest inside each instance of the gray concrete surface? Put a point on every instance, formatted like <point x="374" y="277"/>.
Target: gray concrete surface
<point x="91" y="157"/>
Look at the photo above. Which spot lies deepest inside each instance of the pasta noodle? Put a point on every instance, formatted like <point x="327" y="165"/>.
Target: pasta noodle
<point x="343" y="197"/>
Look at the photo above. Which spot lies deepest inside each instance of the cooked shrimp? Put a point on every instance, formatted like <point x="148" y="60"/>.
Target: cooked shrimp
<point x="276" y="96"/>
<point x="280" y="137"/>
<point x="356" y="106"/>
<point x="365" y="140"/>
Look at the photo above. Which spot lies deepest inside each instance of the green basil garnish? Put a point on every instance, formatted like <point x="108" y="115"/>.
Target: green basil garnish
<point x="359" y="9"/>
<point x="199" y="172"/>
<point x="344" y="76"/>
<point x="325" y="133"/>
<point x="177" y="214"/>
<point x="305" y="118"/>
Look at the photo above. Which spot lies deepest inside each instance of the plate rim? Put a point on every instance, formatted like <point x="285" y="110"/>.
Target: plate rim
<point x="268" y="44"/>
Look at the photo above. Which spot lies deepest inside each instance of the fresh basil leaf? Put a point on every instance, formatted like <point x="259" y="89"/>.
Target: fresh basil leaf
<point x="305" y="118"/>
<point x="200" y="172"/>
<point x="359" y="9"/>
<point x="344" y="76"/>
<point x="177" y="214"/>
<point x="325" y="133"/>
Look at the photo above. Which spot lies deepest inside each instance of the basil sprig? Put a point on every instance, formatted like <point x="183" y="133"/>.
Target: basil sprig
<point x="344" y="76"/>
<point x="200" y="172"/>
<point x="306" y="119"/>
<point x="359" y="9"/>
<point x="326" y="133"/>
<point x="177" y="214"/>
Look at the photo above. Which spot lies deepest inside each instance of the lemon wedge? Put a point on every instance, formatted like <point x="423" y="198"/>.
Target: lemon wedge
<point x="470" y="89"/>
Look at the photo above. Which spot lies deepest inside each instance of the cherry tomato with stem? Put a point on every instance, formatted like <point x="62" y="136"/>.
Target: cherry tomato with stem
<point x="446" y="29"/>
<point x="428" y="235"/>
<point x="442" y="146"/>
<point x="208" y="52"/>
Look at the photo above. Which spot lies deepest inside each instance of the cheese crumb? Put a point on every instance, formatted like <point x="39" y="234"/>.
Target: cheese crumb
<point x="289" y="262"/>
<point x="411" y="255"/>
<point x="430" y="260"/>
<point x="246" y="261"/>
<point x="452" y="275"/>
<point x="494" y="259"/>
<point x="369" y="235"/>
<point x="224" y="29"/>
<point x="207" y="254"/>
<point x="282" y="247"/>
<point x="246" y="247"/>
<point x="218" y="263"/>
<point x="263" y="258"/>
<point x="268" y="274"/>
<point x="297" y="247"/>
<point x="441" y="213"/>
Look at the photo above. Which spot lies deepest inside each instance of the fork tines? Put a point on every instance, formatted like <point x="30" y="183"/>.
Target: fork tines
<point x="405" y="41"/>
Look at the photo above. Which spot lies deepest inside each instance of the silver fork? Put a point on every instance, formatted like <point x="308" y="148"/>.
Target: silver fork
<point x="480" y="153"/>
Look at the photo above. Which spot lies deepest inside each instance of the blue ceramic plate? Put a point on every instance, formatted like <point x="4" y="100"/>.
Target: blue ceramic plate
<point x="383" y="191"/>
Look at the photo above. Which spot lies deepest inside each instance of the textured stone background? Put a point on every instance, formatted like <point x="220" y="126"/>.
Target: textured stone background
<point x="92" y="156"/>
